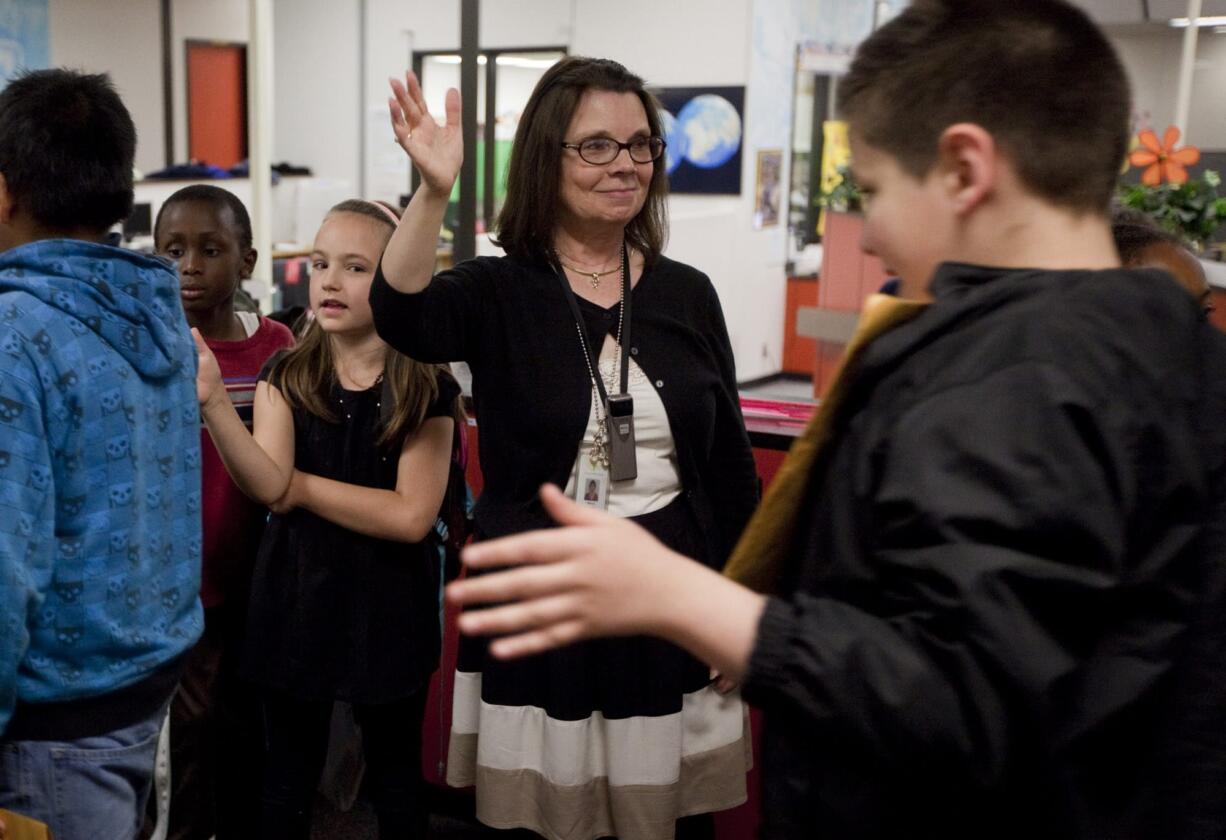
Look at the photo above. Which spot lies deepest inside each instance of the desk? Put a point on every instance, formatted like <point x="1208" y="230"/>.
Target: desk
<point x="848" y="276"/>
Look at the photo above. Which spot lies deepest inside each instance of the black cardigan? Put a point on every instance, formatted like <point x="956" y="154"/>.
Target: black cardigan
<point x="509" y="320"/>
<point x="1000" y="571"/>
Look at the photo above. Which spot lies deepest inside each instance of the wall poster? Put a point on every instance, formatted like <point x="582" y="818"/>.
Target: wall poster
<point x="703" y="127"/>
<point x="24" y="39"/>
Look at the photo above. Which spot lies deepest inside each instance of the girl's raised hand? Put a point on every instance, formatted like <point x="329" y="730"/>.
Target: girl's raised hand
<point x="209" y="387"/>
<point x="436" y="150"/>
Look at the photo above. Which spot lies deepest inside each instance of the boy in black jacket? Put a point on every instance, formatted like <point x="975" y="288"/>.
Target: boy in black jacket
<point x="993" y="566"/>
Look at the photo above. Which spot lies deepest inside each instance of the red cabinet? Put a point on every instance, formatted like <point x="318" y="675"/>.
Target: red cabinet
<point x="848" y="277"/>
<point x="799" y="352"/>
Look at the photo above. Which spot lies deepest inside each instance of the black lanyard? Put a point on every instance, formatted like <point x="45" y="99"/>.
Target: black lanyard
<point x="623" y="336"/>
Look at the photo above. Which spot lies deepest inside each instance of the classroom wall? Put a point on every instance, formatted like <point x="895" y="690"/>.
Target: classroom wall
<point x="133" y="59"/>
<point x="705" y="44"/>
<point x="669" y="44"/>
<point x="394" y="29"/>
<point x="211" y="20"/>
<point x="331" y="111"/>
<point x="124" y="38"/>
<point x="318" y="87"/>
<point x="1151" y="56"/>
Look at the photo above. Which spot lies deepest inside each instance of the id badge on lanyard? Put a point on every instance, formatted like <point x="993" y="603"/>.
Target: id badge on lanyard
<point x="612" y="456"/>
<point x="592" y="484"/>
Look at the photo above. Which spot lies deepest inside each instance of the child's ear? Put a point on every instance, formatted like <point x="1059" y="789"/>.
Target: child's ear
<point x="248" y="266"/>
<point x="970" y="162"/>
<point x="7" y="201"/>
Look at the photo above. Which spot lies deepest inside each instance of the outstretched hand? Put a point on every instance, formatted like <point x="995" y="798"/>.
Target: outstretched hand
<point x="599" y="575"/>
<point x="209" y="385"/>
<point x="436" y="150"/>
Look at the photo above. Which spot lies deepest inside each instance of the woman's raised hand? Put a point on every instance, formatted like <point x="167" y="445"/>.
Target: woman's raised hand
<point x="436" y="150"/>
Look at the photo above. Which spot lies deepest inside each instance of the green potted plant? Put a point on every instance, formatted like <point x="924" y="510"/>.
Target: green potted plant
<point x="1188" y="207"/>
<point x="844" y="196"/>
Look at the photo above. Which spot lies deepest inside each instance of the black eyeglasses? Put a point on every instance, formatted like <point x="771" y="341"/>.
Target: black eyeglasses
<point x="601" y="150"/>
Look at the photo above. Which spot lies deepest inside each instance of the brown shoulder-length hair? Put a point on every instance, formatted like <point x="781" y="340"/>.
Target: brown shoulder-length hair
<point x="526" y="223"/>
<point x="307" y="373"/>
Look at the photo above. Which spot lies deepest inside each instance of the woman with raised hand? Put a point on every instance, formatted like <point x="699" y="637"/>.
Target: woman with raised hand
<point x="604" y="367"/>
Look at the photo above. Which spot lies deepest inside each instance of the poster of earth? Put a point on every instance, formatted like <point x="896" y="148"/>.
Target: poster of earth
<point x="703" y="127"/>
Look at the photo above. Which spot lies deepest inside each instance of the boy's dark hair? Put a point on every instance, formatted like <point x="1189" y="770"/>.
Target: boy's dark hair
<point x="1037" y="74"/>
<point x="214" y="197"/>
<point x="527" y="220"/>
<point x="1135" y="234"/>
<point x="67" y="147"/>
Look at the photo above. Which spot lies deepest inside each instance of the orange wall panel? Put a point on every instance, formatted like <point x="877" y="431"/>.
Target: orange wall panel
<point x="216" y="103"/>
<point x="799" y="353"/>
<point x="842" y="262"/>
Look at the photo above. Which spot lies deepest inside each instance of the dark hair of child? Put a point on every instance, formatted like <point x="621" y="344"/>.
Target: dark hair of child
<point x="307" y="372"/>
<point x="216" y="198"/>
<point x="67" y="147"/>
<point x="1038" y="75"/>
<point x="1133" y="238"/>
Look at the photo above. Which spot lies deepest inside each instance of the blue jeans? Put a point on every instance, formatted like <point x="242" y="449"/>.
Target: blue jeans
<point x="86" y="789"/>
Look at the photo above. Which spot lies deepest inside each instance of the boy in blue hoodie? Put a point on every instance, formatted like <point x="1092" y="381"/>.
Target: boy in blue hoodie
<point x="99" y="467"/>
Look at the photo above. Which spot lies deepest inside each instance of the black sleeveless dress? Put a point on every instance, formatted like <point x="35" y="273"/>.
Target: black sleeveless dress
<point x="335" y="614"/>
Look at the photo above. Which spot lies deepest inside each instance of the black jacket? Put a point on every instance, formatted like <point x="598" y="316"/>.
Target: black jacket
<point x="996" y="624"/>
<point x="509" y="320"/>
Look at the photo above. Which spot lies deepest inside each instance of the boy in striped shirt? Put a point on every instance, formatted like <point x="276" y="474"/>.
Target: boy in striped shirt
<point x="207" y="231"/>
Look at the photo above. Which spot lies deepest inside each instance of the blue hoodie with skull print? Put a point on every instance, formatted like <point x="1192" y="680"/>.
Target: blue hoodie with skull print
<point x="99" y="474"/>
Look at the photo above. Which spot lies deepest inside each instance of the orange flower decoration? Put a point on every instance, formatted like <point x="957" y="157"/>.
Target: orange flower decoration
<point x="1165" y="162"/>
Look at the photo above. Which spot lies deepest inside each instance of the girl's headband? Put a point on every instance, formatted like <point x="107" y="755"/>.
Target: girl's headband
<point x="391" y="214"/>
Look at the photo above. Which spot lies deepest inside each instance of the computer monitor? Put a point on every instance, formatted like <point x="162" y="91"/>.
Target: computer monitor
<point x="140" y="223"/>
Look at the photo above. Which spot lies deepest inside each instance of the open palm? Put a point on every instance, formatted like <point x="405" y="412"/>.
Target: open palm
<point x="436" y="150"/>
<point x="209" y="384"/>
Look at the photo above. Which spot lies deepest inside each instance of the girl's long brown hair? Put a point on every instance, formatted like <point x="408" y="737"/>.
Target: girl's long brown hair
<point x="306" y="374"/>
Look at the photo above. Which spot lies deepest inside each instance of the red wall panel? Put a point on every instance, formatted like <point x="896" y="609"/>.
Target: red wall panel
<point x="216" y="103"/>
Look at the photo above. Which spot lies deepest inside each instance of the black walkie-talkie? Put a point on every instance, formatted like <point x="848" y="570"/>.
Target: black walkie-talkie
<point x="622" y="462"/>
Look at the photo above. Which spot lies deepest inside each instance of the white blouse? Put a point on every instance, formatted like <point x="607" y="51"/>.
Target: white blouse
<point x="658" y="481"/>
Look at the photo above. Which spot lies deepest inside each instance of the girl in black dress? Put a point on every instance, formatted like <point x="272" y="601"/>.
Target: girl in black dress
<point x="350" y="450"/>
